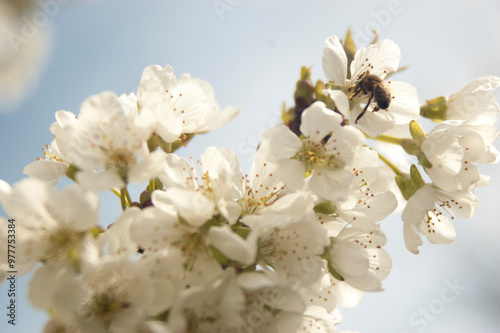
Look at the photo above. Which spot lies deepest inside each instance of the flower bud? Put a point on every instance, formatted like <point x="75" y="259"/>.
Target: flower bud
<point x="72" y="171"/>
<point x="410" y="146"/>
<point x="136" y="204"/>
<point x="435" y="109"/>
<point x="417" y="132"/>
<point x="406" y="186"/>
<point x="326" y="208"/>
<point x="145" y="198"/>
<point x="318" y="92"/>
<point x="304" y="89"/>
<point x="416" y="177"/>
<point x="350" y="50"/>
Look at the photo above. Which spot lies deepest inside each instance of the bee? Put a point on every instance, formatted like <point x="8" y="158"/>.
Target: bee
<point x="375" y="87"/>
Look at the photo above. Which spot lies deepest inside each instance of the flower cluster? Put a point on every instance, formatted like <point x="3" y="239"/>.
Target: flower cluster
<point x="209" y="248"/>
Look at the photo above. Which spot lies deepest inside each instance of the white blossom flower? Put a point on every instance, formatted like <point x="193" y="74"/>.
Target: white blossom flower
<point x="356" y="99"/>
<point x="292" y="246"/>
<point x="357" y="255"/>
<point x="114" y="293"/>
<point x="50" y="167"/>
<point x="114" y="296"/>
<point x="223" y="182"/>
<point x="324" y="155"/>
<point x="261" y="189"/>
<point x="180" y="105"/>
<point x="160" y="228"/>
<point x="475" y="102"/>
<point x="328" y="292"/>
<point x="373" y="201"/>
<point x="452" y="147"/>
<point x="250" y="302"/>
<point x="50" y="223"/>
<point x="220" y="174"/>
<point x="107" y="143"/>
<point x="186" y="224"/>
<point x="425" y="214"/>
<point x="299" y="205"/>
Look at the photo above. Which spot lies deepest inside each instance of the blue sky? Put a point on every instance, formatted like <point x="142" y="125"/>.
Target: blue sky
<point x="252" y="53"/>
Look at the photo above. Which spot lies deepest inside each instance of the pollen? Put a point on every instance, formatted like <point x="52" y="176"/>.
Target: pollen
<point x="49" y="155"/>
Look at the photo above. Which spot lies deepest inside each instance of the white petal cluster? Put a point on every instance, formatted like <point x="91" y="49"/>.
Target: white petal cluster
<point x="180" y="105"/>
<point x="111" y="142"/>
<point x="454" y="148"/>
<point x="209" y="248"/>
<point x="53" y="224"/>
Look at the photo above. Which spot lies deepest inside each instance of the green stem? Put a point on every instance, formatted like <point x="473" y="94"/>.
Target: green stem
<point x="129" y="200"/>
<point x="152" y="185"/>
<point x="169" y="147"/>
<point x="388" y="139"/>
<point x="116" y="192"/>
<point x="123" y="198"/>
<point x="390" y="164"/>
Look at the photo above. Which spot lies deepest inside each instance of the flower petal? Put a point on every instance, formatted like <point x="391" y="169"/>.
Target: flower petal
<point x="318" y="121"/>
<point x="340" y="99"/>
<point x="475" y="101"/>
<point x="100" y="181"/>
<point x="372" y="123"/>
<point x="231" y="245"/>
<point x="380" y="59"/>
<point x="404" y="105"/>
<point x="192" y="206"/>
<point x="334" y="61"/>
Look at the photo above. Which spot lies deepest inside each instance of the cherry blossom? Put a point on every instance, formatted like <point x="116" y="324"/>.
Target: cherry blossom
<point x="180" y="105"/>
<point x="358" y="102"/>
<point x="324" y="155"/>
<point x="426" y="214"/>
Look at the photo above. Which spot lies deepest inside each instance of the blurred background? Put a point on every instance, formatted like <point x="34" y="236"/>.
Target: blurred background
<point x="252" y="52"/>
